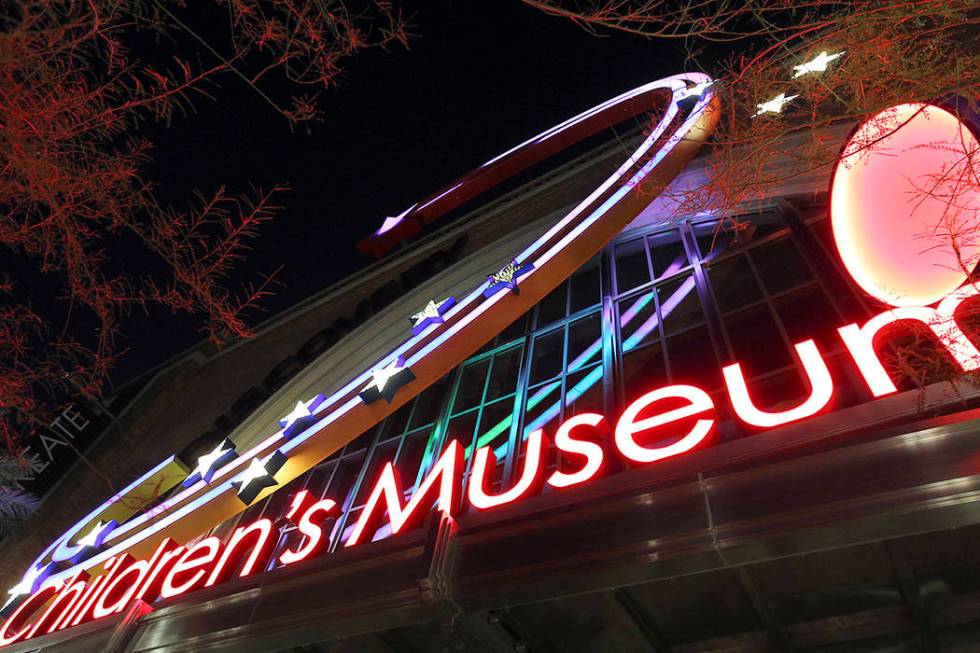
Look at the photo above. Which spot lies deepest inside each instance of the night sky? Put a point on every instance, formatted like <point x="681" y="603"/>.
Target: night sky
<point x="477" y="78"/>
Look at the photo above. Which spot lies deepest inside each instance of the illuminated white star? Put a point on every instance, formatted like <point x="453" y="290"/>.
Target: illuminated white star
<point x="383" y="375"/>
<point x="695" y="91"/>
<point x="301" y="416"/>
<point x="431" y="310"/>
<point x="816" y="65"/>
<point x="255" y="471"/>
<point x="209" y="463"/>
<point x="301" y="410"/>
<point x="25" y="586"/>
<point x="774" y="105"/>
<point x="259" y="474"/>
<point x="92" y="537"/>
<point x="431" y="314"/>
<point x="385" y="382"/>
<point x="26" y="583"/>
<point x="205" y="462"/>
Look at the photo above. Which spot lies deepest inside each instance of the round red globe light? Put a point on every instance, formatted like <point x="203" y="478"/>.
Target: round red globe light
<point x="904" y="204"/>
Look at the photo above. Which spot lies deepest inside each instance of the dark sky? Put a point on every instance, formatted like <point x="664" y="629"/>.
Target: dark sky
<point x="478" y="78"/>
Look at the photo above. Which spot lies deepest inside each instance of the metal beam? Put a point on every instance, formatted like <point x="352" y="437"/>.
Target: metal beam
<point x="643" y="627"/>
<point x="763" y="609"/>
<point x="480" y="632"/>
<point x="909" y="585"/>
<point x="394" y="641"/>
<point x="127" y="627"/>
<point x="847" y="628"/>
<point x="529" y="638"/>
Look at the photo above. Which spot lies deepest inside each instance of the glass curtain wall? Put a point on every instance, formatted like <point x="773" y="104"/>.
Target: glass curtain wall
<point x="664" y="306"/>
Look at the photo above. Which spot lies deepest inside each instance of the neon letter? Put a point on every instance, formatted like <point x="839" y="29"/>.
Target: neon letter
<point x="82" y="609"/>
<point x="310" y="526"/>
<point x="951" y="303"/>
<point x="22" y="614"/>
<point x="121" y="591"/>
<point x="263" y="543"/>
<point x="67" y="598"/>
<point x="860" y="342"/>
<point x="446" y="471"/>
<point x="565" y="442"/>
<point x="698" y="402"/>
<point x="821" y="390"/>
<point x="150" y="589"/>
<point x="194" y="560"/>
<point x="525" y="484"/>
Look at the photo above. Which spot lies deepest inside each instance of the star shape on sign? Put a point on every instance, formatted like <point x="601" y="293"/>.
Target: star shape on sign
<point x="92" y="541"/>
<point x="210" y="462"/>
<point x="259" y="475"/>
<point x="694" y="91"/>
<point x="386" y="381"/>
<point x="431" y="314"/>
<point x="774" y="105"/>
<point x="392" y="221"/>
<point x="302" y="415"/>
<point x="27" y="586"/>
<point x="506" y="278"/>
<point x="816" y="65"/>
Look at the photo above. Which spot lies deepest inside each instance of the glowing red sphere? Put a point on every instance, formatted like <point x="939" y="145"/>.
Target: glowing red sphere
<point x="905" y="204"/>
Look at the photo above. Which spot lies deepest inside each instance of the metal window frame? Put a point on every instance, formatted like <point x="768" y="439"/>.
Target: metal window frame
<point x="607" y="308"/>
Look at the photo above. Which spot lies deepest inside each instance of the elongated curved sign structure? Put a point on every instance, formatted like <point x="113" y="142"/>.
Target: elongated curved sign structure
<point x="225" y="482"/>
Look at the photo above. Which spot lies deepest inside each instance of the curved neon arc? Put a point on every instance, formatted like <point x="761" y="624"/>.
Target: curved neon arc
<point x="487" y="175"/>
<point x="427" y="341"/>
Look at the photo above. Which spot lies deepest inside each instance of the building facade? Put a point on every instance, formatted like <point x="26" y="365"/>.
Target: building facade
<point x="676" y="448"/>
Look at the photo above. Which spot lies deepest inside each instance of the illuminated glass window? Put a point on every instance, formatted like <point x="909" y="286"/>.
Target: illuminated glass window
<point x="911" y="354"/>
<point x="661" y="328"/>
<point x="768" y="296"/>
<point x="347" y="475"/>
<point x="581" y="292"/>
<point x="401" y="440"/>
<point x="482" y="405"/>
<point x="670" y="305"/>
<point x="648" y="258"/>
<point x="565" y="375"/>
<point x="522" y="376"/>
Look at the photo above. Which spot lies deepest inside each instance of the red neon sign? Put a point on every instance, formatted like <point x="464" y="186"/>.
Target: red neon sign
<point x="675" y="418"/>
<point x="310" y="524"/>
<point x="591" y="451"/>
<point x="526" y="482"/>
<point x="389" y="491"/>
<point x="662" y="423"/>
<point x="821" y="391"/>
<point x="696" y="402"/>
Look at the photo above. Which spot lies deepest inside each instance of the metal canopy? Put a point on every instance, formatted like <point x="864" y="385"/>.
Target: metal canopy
<point x="865" y="544"/>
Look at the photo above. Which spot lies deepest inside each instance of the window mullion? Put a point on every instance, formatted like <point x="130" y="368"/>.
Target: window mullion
<point x="520" y="405"/>
<point x="712" y="315"/>
<point x="349" y="500"/>
<point x="607" y="329"/>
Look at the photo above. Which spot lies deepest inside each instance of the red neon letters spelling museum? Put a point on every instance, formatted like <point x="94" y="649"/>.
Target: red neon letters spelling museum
<point x="81" y="578"/>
